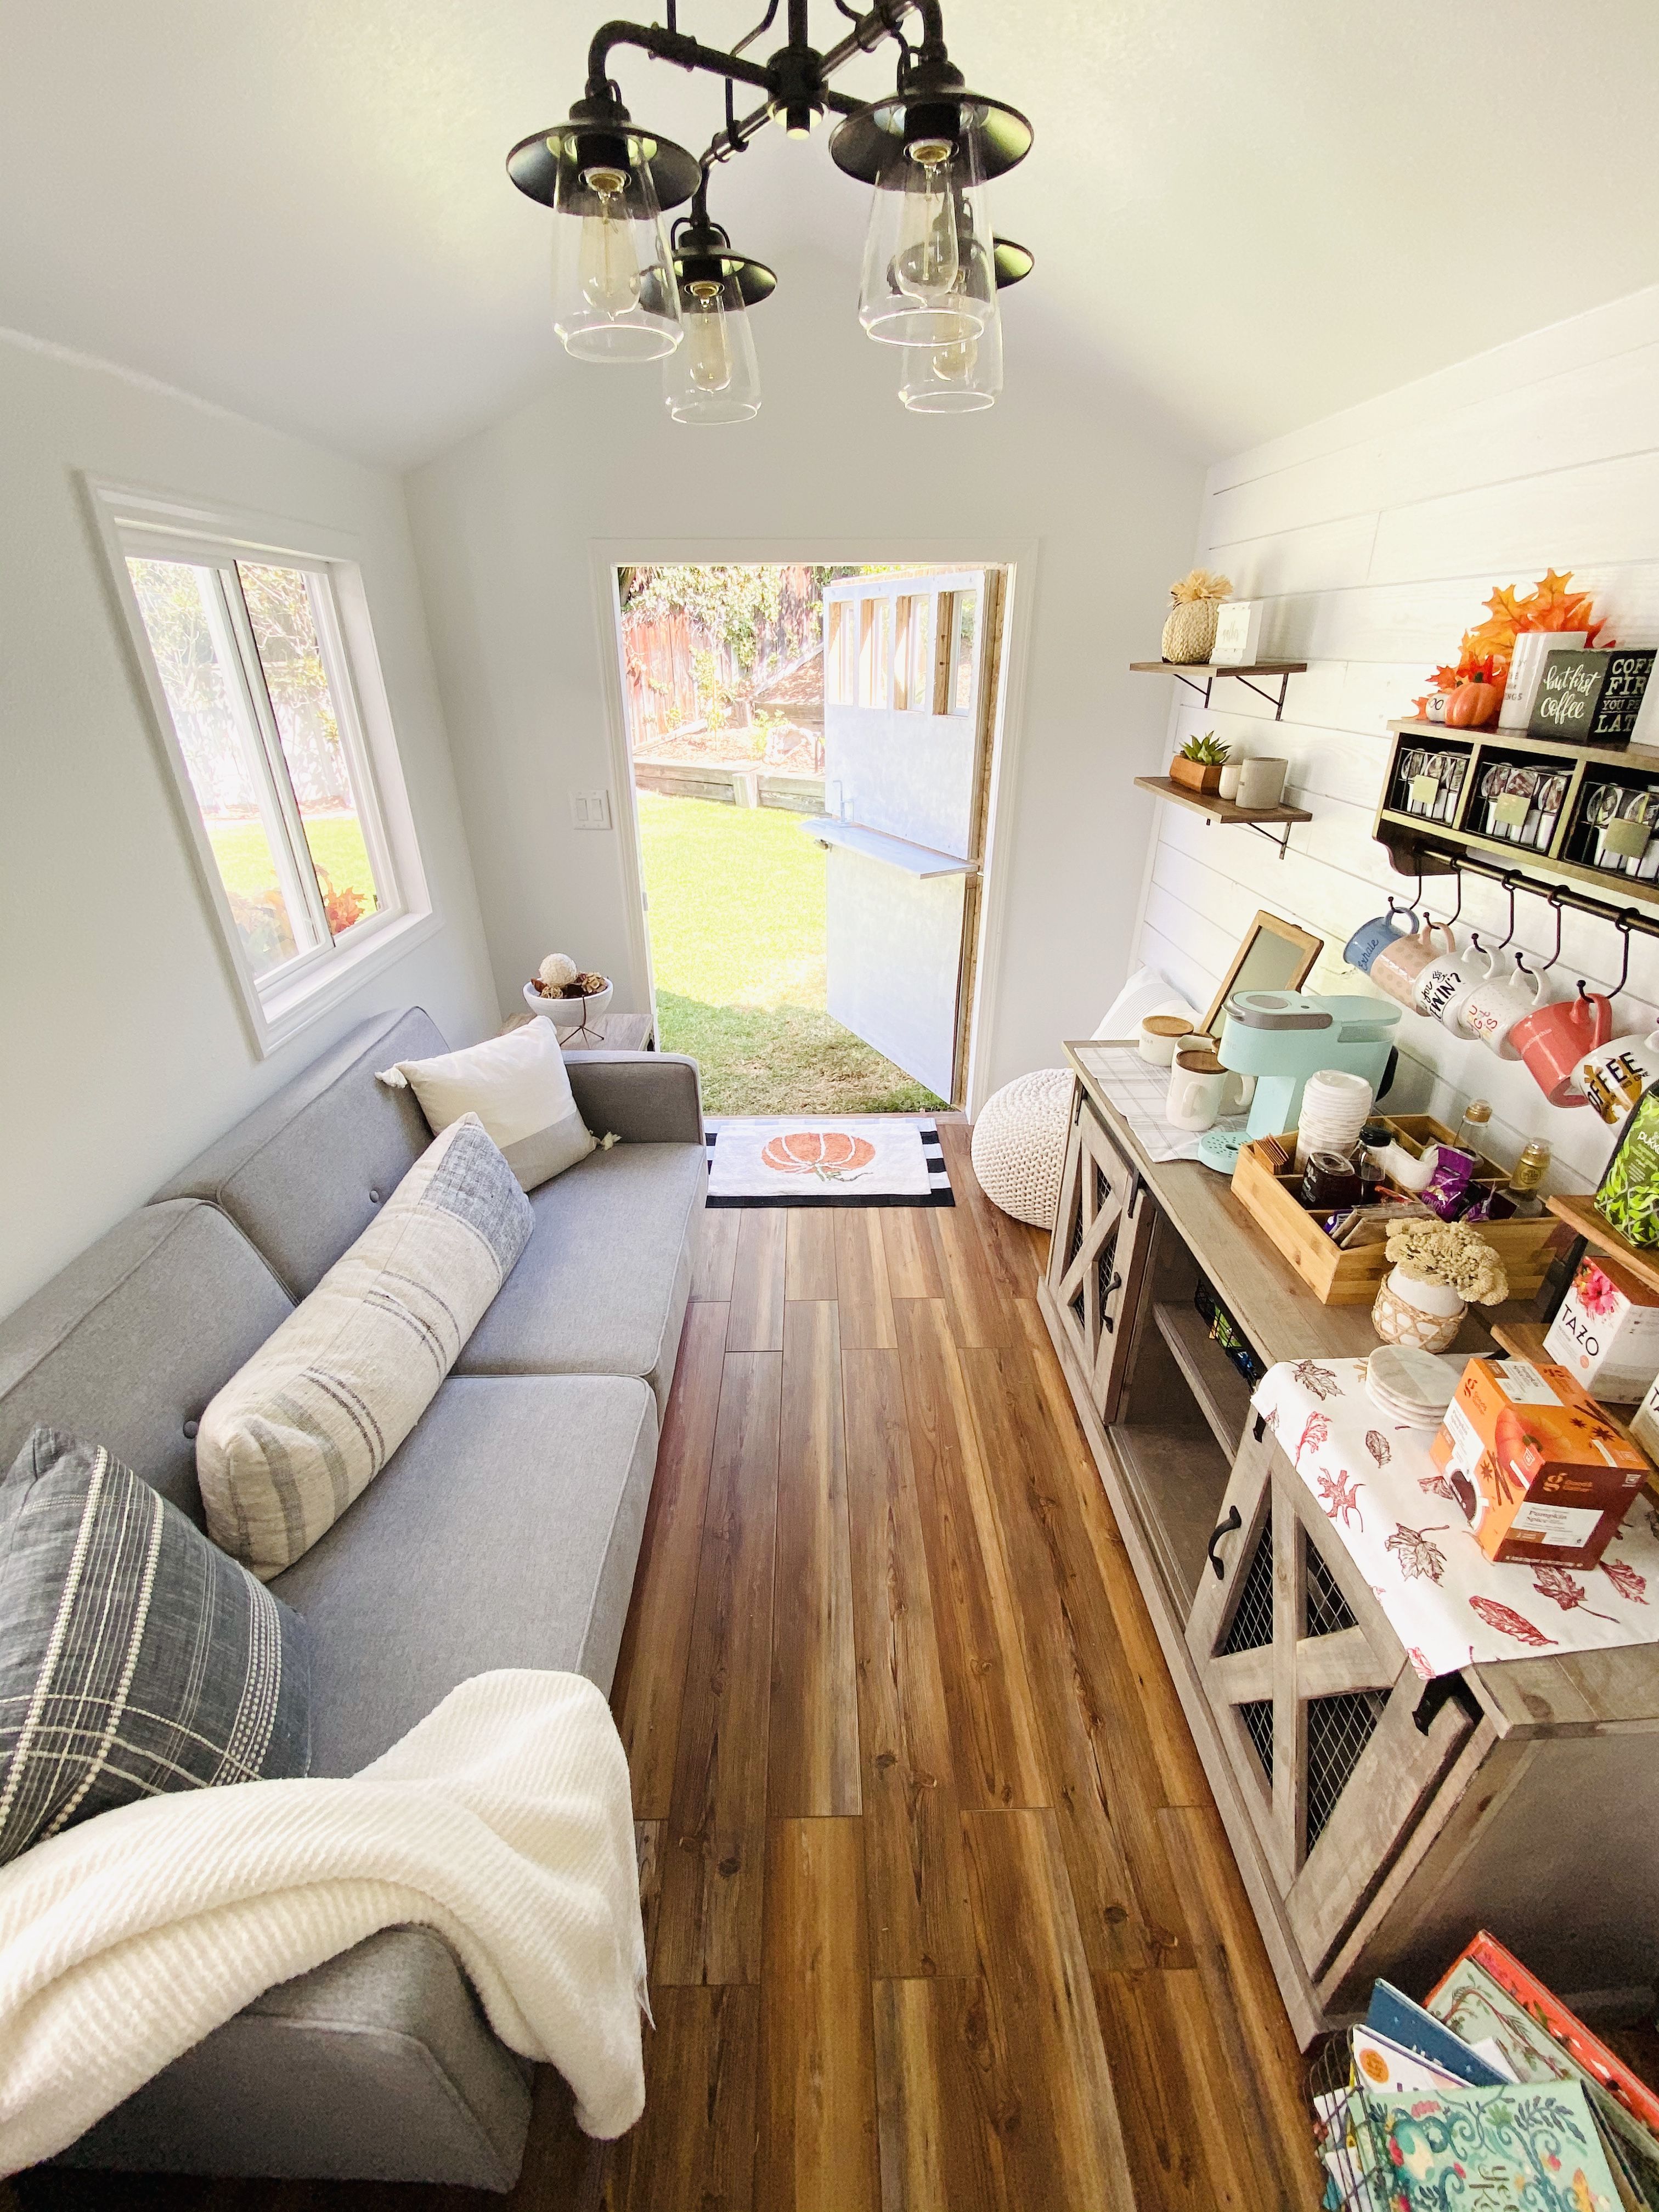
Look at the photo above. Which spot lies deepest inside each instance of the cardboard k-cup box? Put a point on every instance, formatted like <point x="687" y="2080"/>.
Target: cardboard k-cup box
<point x="1539" y="1471"/>
<point x="1606" y="1333"/>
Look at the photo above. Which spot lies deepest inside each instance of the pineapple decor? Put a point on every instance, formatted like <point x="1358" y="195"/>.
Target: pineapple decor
<point x="1189" y="633"/>
<point x="1199" y="762"/>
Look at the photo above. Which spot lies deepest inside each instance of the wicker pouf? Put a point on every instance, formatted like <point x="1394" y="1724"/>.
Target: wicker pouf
<point x="1019" y="1144"/>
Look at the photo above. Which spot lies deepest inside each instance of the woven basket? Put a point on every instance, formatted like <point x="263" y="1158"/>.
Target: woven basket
<point x="1189" y="634"/>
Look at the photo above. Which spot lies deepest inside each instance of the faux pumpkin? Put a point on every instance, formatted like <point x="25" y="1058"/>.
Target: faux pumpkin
<point x="1472" y="705"/>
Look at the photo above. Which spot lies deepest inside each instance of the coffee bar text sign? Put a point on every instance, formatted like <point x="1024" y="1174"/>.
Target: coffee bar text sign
<point x="1592" y="697"/>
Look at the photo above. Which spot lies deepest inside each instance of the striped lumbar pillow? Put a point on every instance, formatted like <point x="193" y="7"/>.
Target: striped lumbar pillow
<point x="134" y="1657"/>
<point x="316" y="1414"/>
<point x="518" y="1087"/>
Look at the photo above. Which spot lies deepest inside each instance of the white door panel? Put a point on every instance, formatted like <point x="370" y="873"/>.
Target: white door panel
<point x="911" y="776"/>
<point x="894" y="949"/>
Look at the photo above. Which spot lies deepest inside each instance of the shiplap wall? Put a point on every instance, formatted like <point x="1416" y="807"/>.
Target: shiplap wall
<point x="1373" y="538"/>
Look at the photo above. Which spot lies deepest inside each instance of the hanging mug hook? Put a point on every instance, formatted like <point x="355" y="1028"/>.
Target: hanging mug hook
<point x="1623" y="924"/>
<point x="1508" y="881"/>
<point x="1555" y="901"/>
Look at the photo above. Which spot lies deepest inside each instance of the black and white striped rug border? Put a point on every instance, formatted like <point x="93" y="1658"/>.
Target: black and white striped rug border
<point x="938" y="1191"/>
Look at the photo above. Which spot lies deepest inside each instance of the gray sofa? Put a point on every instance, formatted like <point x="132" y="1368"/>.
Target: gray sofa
<point x="504" y="1533"/>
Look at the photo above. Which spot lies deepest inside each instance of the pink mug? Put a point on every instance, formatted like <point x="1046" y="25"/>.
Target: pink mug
<point x="1398" y="965"/>
<point x="1554" y="1040"/>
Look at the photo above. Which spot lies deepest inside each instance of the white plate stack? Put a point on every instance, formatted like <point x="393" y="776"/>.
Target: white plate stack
<point x="1335" y="1108"/>
<point x="1415" y="1387"/>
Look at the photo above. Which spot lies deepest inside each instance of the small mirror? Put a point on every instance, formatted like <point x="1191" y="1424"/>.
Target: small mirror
<point x="1275" y="956"/>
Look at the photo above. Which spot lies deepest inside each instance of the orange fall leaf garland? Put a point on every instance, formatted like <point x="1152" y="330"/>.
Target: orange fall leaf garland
<point x="1487" y="651"/>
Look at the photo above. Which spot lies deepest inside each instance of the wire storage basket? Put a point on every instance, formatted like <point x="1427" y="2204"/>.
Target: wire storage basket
<point x="1352" y="2149"/>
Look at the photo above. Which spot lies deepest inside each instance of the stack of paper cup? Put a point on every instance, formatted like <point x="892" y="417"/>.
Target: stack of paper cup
<point x="1334" y="1108"/>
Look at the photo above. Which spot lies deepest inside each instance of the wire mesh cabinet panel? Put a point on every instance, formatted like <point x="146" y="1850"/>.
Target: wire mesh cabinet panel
<point x="1102" y="1233"/>
<point x="1316" y="1704"/>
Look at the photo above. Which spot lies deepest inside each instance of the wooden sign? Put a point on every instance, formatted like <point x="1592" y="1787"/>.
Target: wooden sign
<point x="1626" y="680"/>
<point x="1567" y="695"/>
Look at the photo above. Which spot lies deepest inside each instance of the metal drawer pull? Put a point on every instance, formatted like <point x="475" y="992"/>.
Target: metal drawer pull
<point x="1106" y="1320"/>
<point x="1222" y="1528"/>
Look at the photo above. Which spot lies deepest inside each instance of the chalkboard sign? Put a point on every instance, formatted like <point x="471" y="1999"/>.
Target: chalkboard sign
<point x="1568" y="695"/>
<point x="1620" y="702"/>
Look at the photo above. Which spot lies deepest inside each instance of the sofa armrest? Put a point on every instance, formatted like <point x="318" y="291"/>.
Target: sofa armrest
<point x="643" y="1098"/>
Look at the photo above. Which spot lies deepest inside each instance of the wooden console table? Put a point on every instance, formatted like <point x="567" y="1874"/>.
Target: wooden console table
<point x="1377" y="1821"/>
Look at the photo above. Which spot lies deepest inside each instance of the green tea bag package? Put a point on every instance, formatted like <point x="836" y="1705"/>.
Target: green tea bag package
<point x="1629" y="1192"/>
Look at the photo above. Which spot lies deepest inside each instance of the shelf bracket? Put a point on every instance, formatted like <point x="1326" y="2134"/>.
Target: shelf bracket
<point x="1202" y="689"/>
<point x="1279" y="842"/>
<point x="1278" y="705"/>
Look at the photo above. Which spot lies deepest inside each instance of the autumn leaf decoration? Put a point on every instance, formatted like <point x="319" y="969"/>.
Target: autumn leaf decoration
<point x="1314" y="1429"/>
<point x="1340" y="1496"/>
<point x="1377" y="1445"/>
<point x="1508" y="1622"/>
<point x="1625" y="1580"/>
<point x="1565" y="1590"/>
<point x="1318" y="1381"/>
<point x="1489" y="648"/>
<point x="1419" y="1559"/>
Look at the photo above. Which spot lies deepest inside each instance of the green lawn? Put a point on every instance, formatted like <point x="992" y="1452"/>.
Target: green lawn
<point x="737" y="944"/>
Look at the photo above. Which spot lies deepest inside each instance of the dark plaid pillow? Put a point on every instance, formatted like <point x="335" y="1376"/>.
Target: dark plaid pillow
<point x="135" y="1656"/>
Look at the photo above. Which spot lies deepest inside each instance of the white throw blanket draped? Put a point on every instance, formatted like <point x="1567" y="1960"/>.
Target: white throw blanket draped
<point x="503" y="1821"/>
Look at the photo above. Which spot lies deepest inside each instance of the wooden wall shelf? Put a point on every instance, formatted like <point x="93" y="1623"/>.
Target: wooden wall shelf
<point x="1188" y="671"/>
<point x="1224" y="811"/>
<point x="1578" y="1211"/>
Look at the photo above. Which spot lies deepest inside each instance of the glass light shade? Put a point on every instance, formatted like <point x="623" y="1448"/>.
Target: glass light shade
<point x="957" y="378"/>
<point x="713" y="377"/>
<point x="928" y="277"/>
<point x="614" y="294"/>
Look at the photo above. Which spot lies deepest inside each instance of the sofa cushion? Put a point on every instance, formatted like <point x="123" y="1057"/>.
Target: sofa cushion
<point x="129" y="1343"/>
<point x="135" y="1657"/>
<point x="377" y="2065"/>
<point x="505" y="1532"/>
<point x="304" y="1174"/>
<point x="319" y="1410"/>
<point x="517" y="1086"/>
<point x="602" y="1286"/>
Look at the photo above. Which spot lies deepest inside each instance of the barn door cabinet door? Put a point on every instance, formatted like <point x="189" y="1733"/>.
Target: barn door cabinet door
<point x="1102" y="1233"/>
<point x="1315" y="1698"/>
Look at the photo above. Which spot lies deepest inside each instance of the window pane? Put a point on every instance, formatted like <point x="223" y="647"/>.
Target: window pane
<point x="178" y="605"/>
<point x="962" y="698"/>
<point x="284" y="626"/>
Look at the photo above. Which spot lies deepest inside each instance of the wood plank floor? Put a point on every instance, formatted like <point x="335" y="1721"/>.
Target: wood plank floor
<point x="940" y="1913"/>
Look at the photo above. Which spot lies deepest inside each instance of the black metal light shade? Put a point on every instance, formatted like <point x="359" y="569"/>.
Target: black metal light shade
<point x="601" y="133"/>
<point x="703" y="255"/>
<point x="1013" y="263"/>
<point x="863" y="145"/>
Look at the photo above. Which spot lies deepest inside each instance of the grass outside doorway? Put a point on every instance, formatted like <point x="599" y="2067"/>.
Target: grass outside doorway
<point x="738" y="945"/>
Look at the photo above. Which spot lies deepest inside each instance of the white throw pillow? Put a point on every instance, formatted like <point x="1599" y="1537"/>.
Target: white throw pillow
<point x="316" y="1414"/>
<point x="518" y="1087"/>
<point x="1145" y="993"/>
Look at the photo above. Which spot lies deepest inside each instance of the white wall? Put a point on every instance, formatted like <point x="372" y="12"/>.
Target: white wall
<point x="1374" y="538"/>
<point x="1077" y="468"/>
<point x="125" y="1047"/>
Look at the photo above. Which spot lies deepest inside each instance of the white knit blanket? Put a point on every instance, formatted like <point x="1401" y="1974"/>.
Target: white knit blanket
<point x="503" y="1821"/>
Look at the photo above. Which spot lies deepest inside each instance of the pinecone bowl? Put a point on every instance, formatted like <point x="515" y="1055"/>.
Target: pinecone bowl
<point x="575" y="1012"/>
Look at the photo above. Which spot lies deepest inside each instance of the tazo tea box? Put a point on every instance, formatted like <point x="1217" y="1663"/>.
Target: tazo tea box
<point x="1606" y="1333"/>
<point x="1541" y="1474"/>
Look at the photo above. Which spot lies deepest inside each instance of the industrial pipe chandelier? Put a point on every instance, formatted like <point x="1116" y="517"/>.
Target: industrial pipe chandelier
<point x="626" y="288"/>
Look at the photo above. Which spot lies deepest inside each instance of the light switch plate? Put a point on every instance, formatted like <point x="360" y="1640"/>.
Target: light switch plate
<point x="591" y="810"/>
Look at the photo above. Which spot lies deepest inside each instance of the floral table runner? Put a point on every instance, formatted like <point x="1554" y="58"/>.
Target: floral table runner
<point x="1401" y="1523"/>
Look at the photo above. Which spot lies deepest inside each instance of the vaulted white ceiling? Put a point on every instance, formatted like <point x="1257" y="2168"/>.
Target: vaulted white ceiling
<point x="1260" y="213"/>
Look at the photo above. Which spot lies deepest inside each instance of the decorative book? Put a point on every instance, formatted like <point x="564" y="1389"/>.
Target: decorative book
<point x="1508" y="2149"/>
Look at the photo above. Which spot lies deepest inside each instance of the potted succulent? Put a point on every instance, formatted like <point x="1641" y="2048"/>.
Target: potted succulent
<point x="574" y="1000"/>
<point x="1189" y="628"/>
<point x="1440" y="1268"/>
<point x="1199" y="762"/>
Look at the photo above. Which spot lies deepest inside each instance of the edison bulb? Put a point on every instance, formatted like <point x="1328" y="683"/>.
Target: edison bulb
<point x="958" y="360"/>
<point x="708" y="344"/>
<point x="609" y="267"/>
<point x="928" y="259"/>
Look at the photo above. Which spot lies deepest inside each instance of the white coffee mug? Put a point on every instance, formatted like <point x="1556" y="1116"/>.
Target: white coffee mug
<point x="1201" y="1090"/>
<point x="1445" y="984"/>
<point x="1615" y="1076"/>
<point x="1491" y="1010"/>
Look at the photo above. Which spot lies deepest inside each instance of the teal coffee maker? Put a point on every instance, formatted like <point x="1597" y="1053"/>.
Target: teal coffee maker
<point x="1282" y="1037"/>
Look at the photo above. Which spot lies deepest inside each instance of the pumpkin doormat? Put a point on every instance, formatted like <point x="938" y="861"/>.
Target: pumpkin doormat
<point x="879" y="1159"/>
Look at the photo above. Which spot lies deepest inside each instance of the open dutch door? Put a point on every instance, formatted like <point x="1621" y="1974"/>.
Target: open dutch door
<point x="911" y="680"/>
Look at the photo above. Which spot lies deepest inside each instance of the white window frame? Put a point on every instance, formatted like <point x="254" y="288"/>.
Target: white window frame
<point x="148" y="524"/>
